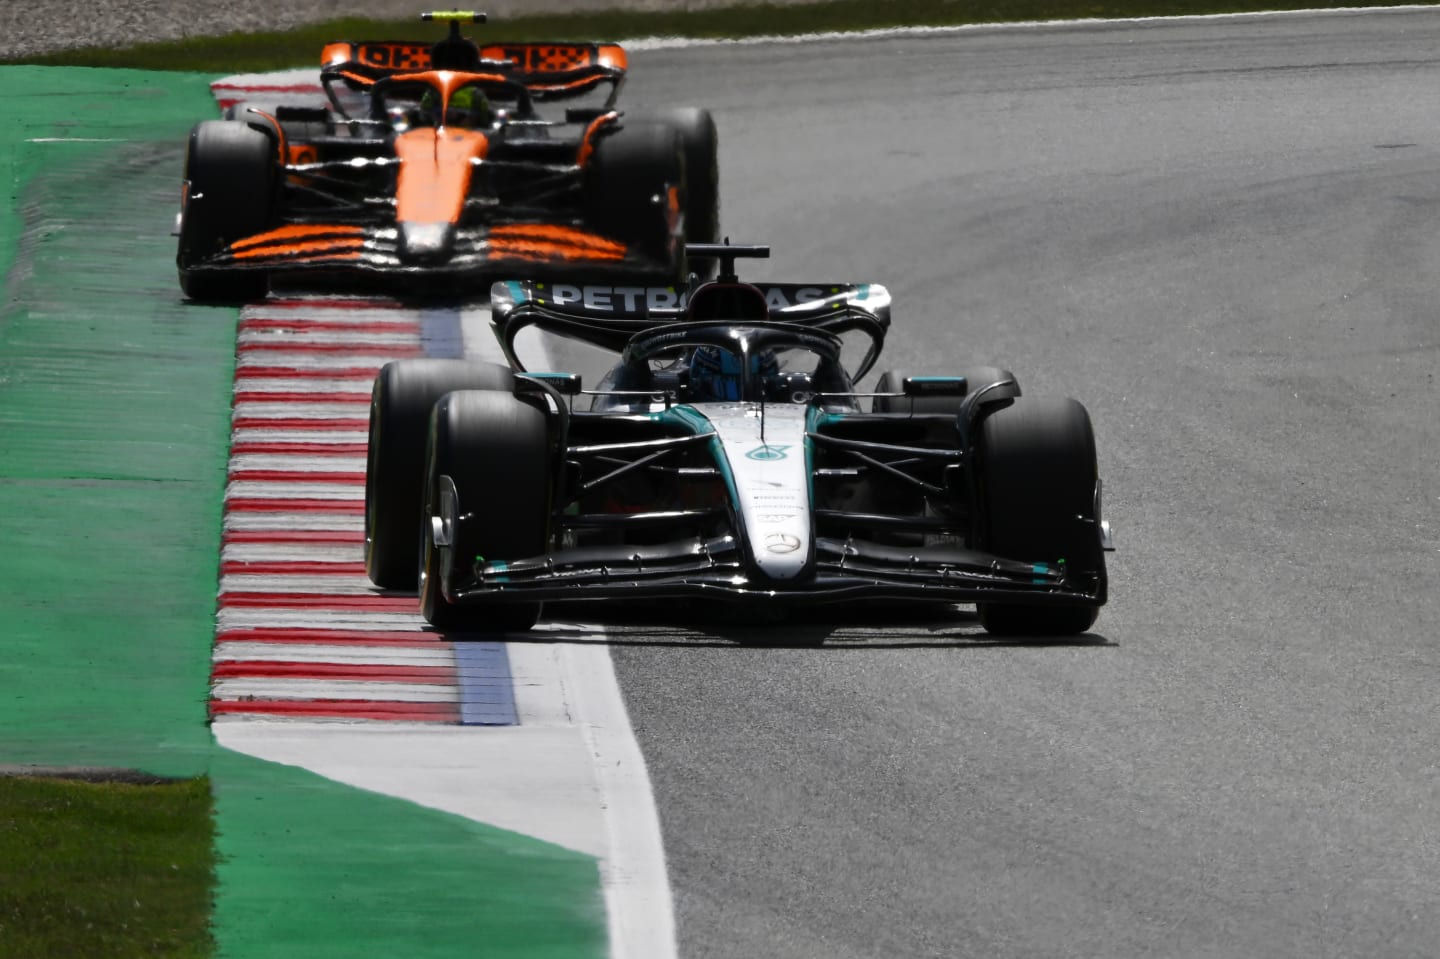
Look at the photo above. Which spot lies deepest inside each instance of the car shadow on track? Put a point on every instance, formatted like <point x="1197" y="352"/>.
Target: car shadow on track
<point x="877" y="628"/>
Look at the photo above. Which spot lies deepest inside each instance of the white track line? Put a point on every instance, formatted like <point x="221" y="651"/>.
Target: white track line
<point x="317" y="619"/>
<point x="296" y="463"/>
<point x="637" y="885"/>
<point x="232" y="651"/>
<point x="302" y="690"/>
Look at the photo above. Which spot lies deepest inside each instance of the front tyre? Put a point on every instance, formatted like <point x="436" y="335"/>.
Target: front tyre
<point x="404" y="394"/>
<point x="1038" y="479"/>
<point x="700" y="142"/>
<point x="635" y="192"/>
<point x="231" y="179"/>
<point x="488" y="477"/>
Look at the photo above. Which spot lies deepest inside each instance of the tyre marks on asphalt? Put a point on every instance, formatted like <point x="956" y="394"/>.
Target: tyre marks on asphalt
<point x="302" y="634"/>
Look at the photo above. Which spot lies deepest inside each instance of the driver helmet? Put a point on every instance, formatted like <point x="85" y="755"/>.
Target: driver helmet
<point x="715" y="373"/>
<point x="469" y="107"/>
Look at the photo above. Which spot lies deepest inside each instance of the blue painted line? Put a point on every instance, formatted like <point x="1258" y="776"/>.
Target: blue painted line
<point x="487" y="689"/>
<point x="486" y="685"/>
<point x="440" y="334"/>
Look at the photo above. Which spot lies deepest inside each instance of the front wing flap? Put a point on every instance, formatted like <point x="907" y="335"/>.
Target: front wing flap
<point x="716" y="568"/>
<point x="489" y="249"/>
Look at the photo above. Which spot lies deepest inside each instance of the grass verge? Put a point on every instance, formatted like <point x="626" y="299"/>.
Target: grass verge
<point x="269" y="51"/>
<point x="97" y="868"/>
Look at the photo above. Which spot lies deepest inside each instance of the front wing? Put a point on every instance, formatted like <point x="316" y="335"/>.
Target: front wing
<point x="480" y="252"/>
<point x="716" y="568"/>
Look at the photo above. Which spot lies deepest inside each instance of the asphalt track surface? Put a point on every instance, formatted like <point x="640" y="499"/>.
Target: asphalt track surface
<point x="1222" y="237"/>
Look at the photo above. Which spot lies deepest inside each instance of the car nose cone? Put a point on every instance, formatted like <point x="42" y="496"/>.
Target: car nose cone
<point x="426" y="242"/>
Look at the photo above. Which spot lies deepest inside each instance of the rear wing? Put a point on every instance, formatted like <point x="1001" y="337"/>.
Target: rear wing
<point x="549" y="70"/>
<point x="608" y="316"/>
<point x="555" y="71"/>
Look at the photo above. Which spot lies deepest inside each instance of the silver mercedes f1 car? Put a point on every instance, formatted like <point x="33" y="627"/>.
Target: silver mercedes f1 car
<point x="726" y="455"/>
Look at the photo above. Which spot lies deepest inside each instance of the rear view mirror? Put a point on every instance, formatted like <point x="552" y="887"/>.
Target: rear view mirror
<point x="917" y="386"/>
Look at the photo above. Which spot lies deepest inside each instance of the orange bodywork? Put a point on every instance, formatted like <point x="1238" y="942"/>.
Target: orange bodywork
<point x="327" y="247"/>
<point x="542" y="58"/>
<point x="446" y="82"/>
<point x="434" y="176"/>
<point x="296" y="232"/>
<point x="333" y="54"/>
<point x="612" y="55"/>
<point x="436" y="164"/>
<point x="587" y="142"/>
<point x="434" y="169"/>
<point x="546" y="68"/>
<point x="339" y="243"/>
<point x="531" y="57"/>
<point x="551" y="242"/>
<point x="384" y="55"/>
<point x="283" y="147"/>
<point x="298" y="239"/>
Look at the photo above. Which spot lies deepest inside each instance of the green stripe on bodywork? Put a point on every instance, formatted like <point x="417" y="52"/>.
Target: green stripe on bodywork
<point x="687" y="416"/>
<point x="114" y="430"/>
<point x="697" y="423"/>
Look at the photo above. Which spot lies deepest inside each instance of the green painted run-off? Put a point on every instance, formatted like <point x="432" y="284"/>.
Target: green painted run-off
<point x="114" y="424"/>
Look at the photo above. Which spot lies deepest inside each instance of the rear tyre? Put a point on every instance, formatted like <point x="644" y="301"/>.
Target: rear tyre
<point x="231" y="176"/>
<point x="401" y="400"/>
<point x="1038" y="476"/>
<point x="635" y="191"/>
<point x="977" y="378"/>
<point x="494" y="448"/>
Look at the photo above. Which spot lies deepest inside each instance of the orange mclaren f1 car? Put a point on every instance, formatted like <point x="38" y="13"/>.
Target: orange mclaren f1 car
<point x="431" y="169"/>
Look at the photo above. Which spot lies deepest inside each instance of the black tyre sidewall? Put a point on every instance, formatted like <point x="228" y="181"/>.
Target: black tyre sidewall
<point x="1037" y="477"/>
<point x="401" y="401"/>
<point x="495" y="448"/>
<point x="231" y="175"/>
<point x="701" y="145"/>
<point x="629" y="168"/>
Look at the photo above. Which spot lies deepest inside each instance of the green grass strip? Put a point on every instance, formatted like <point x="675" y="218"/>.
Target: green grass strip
<point x="115" y="410"/>
<point x="301" y="47"/>
<point x="312" y="869"/>
<point x="105" y="869"/>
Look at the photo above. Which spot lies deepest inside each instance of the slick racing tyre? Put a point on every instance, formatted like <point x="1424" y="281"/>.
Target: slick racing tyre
<point x="1038" y="479"/>
<point x="628" y="192"/>
<point x="489" y="454"/>
<point x="700" y="142"/>
<point x="987" y="378"/>
<point x="401" y="400"/>
<point x="231" y="179"/>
